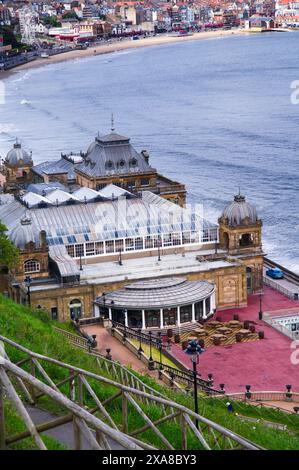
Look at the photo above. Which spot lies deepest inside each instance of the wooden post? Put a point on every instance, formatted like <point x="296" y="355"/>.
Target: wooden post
<point x="184" y="432"/>
<point x="32" y="391"/>
<point x="77" y="435"/>
<point x="71" y="385"/>
<point x="124" y="407"/>
<point x="80" y="390"/>
<point x="2" y="418"/>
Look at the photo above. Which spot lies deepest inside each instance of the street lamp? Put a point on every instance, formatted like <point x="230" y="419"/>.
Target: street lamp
<point x="261" y="307"/>
<point x="140" y="350"/>
<point x="151" y="364"/>
<point x="119" y="258"/>
<point x="194" y="350"/>
<point x="27" y="281"/>
<point x="159" y="243"/>
<point x="81" y="267"/>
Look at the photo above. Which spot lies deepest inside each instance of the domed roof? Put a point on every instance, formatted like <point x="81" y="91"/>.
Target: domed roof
<point x="24" y="233"/>
<point x="240" y="212"/>
<point x="17" y="155"/>
<point x="91" y="147"/>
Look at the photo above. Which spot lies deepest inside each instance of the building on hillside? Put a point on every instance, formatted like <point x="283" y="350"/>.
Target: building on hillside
<point x="79" y="247"/>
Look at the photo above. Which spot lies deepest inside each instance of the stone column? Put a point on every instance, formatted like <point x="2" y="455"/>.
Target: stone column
<point x="126" y="317"/>
<point x="110" y="313"/>
<point x="178" y="315"/>
<point x="161" y="318"/>
<point x="204" y="315"/>
<point x="193" y="313"/>
<point x="143" y="319"/>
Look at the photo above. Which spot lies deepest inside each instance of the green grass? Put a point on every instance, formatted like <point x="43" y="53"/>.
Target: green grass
<point x="33" y="329"/>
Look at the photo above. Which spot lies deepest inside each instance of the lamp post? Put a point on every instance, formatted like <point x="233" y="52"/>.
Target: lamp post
<point x="81" y="267"/>
<point x="120" y="262"/>
<point x="261" y="307"/>
<point x="140" y="350"/>
<point x="194" y="350"/>
<point x="151" y="363"/>
<point x="159" y="243"/>
<point x="27" y="281"/>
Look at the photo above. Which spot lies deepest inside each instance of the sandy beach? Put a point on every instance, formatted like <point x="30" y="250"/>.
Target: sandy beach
<point x="117" y="46"/>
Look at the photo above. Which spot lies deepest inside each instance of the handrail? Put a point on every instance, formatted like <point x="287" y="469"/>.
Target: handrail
<point x="127" y="393"/>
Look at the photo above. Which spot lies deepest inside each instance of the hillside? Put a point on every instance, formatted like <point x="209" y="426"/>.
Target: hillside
<point x="33" y="330"/>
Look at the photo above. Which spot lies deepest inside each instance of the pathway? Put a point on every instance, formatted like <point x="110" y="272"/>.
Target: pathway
<point x="119" y="352"/>
<point x="64" y="433"/>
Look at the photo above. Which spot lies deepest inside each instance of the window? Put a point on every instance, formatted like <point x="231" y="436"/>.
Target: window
<point x="89" y="247"/>
<point x="145" y="182"/>
<point x="186" y="237"/>
<point x="186" y="313"/>
<point x="119" y="245"/>
<point x="54" y="313"/>
<point x="129" y="244"/>
<point x="133" y="162"/>
<point x="148" y="243"/>
<point x="176" y="239"/>
<point x="79" y="250"/>
<point x="75" y="309"/>
<point x="31" y="266"/>
<point x="138" y="244"/>
<point x="99" y="248"/>
<point x="71" y="250"/>
<point x="198" y="310"/>
<point x="109" y="246"/>
<point x="109" y="165"/>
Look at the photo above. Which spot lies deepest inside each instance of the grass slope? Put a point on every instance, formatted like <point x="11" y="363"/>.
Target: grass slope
<point x="33" y="329"/>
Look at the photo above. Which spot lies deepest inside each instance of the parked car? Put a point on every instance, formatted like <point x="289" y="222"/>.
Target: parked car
<point x="275" y="273"/>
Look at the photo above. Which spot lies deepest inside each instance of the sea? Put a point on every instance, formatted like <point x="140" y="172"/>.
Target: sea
<point x="220" y="115"/>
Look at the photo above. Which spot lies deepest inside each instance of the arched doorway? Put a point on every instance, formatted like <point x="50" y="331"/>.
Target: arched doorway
<point x="75" y="309"/>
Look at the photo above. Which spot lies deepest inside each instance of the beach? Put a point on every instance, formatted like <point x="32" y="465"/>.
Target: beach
<point x="117" y="46"/>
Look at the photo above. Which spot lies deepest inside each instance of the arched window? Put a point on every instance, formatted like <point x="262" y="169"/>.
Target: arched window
<point x="133" y="162"/>
<point x="75" y="309"/>
<point x="109" y="165"/>
<point x="246" y="239"/>
<point x="31" y="266"/>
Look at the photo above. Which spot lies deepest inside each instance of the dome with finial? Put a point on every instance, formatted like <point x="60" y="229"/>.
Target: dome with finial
<point x="24" y="233"/>
<point x="239" y="212"/>
<point x="18" y="156"/>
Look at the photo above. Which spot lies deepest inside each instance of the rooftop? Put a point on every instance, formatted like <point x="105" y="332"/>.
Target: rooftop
<point x="158" y="293"/>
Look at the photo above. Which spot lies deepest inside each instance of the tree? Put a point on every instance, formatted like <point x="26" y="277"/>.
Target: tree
<point x="51" y="21"/>
<point x="9" y="254"/>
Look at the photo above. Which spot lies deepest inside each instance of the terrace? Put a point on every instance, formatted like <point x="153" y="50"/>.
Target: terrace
<point x="264" y="364"/>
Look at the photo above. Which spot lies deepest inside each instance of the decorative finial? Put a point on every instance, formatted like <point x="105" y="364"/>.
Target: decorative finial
<point x="17" y="143"/>
<point x="112" y="123"/>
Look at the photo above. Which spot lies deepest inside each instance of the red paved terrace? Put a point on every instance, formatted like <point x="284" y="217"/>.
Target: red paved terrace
<point x="264" y="364"/>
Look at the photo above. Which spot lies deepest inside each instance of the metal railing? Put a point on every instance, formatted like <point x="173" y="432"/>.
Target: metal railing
<point x="283" y="290"/>
<point x="187" y="378"/>
<point x="279" y="327"/>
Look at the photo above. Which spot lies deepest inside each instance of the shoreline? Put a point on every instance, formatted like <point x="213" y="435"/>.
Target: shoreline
<point x="109" y="48"/>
